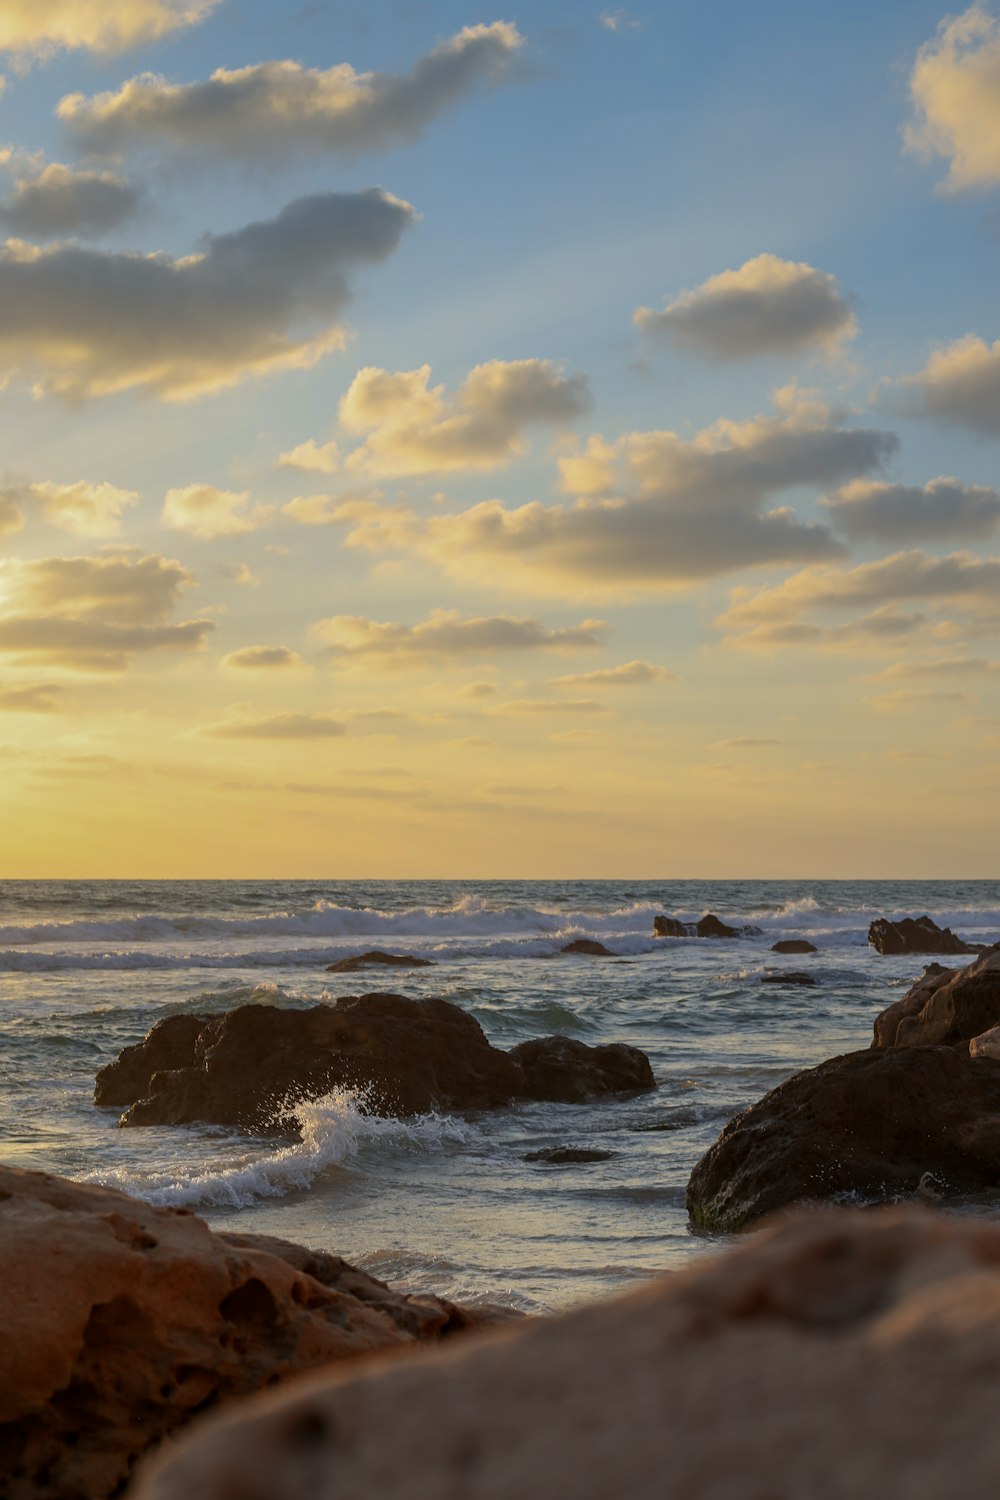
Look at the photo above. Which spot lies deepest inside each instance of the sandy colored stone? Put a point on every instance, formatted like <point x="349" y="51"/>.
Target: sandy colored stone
<point x="945" y="1006"/>
<point x="987" y="1044"/>
<point x="122" y="1321"/>
<point x="842" y="1356"/>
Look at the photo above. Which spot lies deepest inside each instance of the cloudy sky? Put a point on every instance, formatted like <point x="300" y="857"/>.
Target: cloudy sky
<point x="447" y="442"/>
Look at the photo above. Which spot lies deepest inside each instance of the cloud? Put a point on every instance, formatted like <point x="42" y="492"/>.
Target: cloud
<point x="944" y="508"/>
<point x="952" y="666"/>
<point x="37" y="698"/>
<point x="204" y="511"/>
<point x="780" y="614"/>
<point x="628" y="674"/>
<point x="276" y="110"/>
<point x="281" y="727"/>
<point x="768" y="306"/>
<point x="619" y="20"/>
<point x="241" y="574"/>
<point x="59" y="201"/>
<point x="94" y="613"/>
<point x="85" y="508"/>
<point x="446" y="635"/>
<point x="42" y="27"/>
<point x="655" y="510"/>
<point x="83" y="323"/>
<point x="532" y="707"/>
<point x="325" y="510"/>
<point x="960" y="386"/>
<point x="955" y="91"/>
<point x="11" y="519"/>
<point x="904" y="699"/>
<point x="263" y="658"/>
<point x="413" y="428"/>
<point x="744" y="742"/>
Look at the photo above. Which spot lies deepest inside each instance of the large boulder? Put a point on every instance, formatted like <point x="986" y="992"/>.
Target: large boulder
<point x="250" y="1067"/>
<point x="871" y="1124"/>
<point x="708" y="926"/>
<point x="122" y="1321"/>
<point x="945" y="1007"/>
<point x="794" y="945"/>
<point x="843" y="1355"/>
<point x="916" y="935"/>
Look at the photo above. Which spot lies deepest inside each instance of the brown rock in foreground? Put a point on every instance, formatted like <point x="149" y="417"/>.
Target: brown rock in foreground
<point x="377" y="959"/>
<point x="867" y="1123"/>
<point x="250" y="1067"/>
<point x="122" y="1321"/>
<point x="945" y="1007"/>
<point x="842" y="1356"/>
<point x="916" y="935"/>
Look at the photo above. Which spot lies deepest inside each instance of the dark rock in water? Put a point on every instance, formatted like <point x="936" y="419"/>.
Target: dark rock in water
<point x="711" y="927"/>
<point x="944" y="1007"/>
<point x="867" y="1123"/>
<point x="669" y="927"/>
<point x="916" y="935"/>
<point x="250" y="1067"/>
<point x="123" y="1321"/>
<point x="790" y="978"/>
<point x="588" y="946"/>
<point x="708" y="926"/>
<point x="376" y="958"/>
<point x="794" y="945"/>
<point x="565" y="1071"/>
<point x="559" y="1156"/>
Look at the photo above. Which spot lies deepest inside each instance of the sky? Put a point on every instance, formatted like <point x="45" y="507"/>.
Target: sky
<point x="469" y="442"/>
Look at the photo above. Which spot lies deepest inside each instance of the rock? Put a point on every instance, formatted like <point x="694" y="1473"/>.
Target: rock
<point x="791" y="977"/>
<point x="250" y="1067"/>
<point x="839" y="1356"/>
<point x="561" y="1156"/>
<point x="375" y="959"/>
<point x="669" y="927"/>
<point x="944" y="1007"/>
<point x="588" y="946"/>
<point x="794" y="945"/>
<point x="986" y="1045"/>
<point x="565" y="1071"/>
<point x="122" y="1321"/>
<point x="916" y="935"/>
<point x="710" y="927"/>
<point x="867" y="1123"/>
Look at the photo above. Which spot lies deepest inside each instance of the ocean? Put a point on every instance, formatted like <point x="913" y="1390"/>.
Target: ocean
<point x="447" y="1204"/>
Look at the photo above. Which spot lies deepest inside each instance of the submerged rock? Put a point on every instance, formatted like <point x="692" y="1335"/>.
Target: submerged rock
<point x="564" y="1156"/>
<point x="794" y="945"/>
<point x="376" y="959"/>
<point x="867" y="1123"/>
<point x="916" y="935"/>
<point x="842" y="1355"/>
<point x="791" y="977"/>
<point x="588" y="946"/>
<point x="250" y="1067"/>
<point x="122" y="1321"/>
<point x="945" y="1007"/>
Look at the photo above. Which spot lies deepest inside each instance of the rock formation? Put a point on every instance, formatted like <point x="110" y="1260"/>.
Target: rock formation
<point x="377" y="959"/>
<point x="589" y="947"/>
<point x="122" y="1321"/>
<point x="708" y="926"/>
<point x="945" y="1007"/>
<point x="867" y="1123"/>
<point x="790" y="976"/>
<point x="794" y="945"/>
<point x="250" y="1067"/>
<point x="916" y="935"/>
<point x="841" y="1355"/>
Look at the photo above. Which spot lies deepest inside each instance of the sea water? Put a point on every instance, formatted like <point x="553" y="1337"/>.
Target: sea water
<point x="446" y="1203"/>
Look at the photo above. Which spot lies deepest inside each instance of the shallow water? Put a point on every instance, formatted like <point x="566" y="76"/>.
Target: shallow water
<point x="447" y="1204"/>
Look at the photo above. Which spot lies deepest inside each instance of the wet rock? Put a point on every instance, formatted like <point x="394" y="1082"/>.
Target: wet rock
<point x="566" y="1071"/>
<point x="708" y="926"/>
<point x="252" y="1066"/>
<point x="562" y="1156"/>
<point x="867" y="1123"/>
<point x="669" y="927"/>
<point x="711" y="927"/>
<point x="588" y="946"/>
<point x="376" y="959"/>
<point x="986" y="1045"/>
<point x="794" y="945"/>
<point x="916" y="935"/>
<point x="841" y="1355"/>
<point x="944" y="1007"/>
<point x="122" y="1321"/>
<point x="792" y="977"/>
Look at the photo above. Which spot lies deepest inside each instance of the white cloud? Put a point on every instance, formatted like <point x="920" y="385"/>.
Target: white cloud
<point x="412" y="427"/>
<point x="960" y="386"/>
<point x="628" y="674"/>
<point x="619" y="20"/>
<point x="325" y="510"/>
<point x="275" y="110"/>
<point x="241" y="574"/>
<point x="41" y="27"/>
<point x="280" y="727"/>
<point x="85" y="508"/>
<point x="57" y="200"/>
<point x="81" y="322"/>
<point x="897" y="513"/>
<point x="955" y="90"/>
<point x="11" y="518"/>
<point x="263" y="659"/>
<point x="768" y="306"/>
<point x="204" y="511"/>
<point x="446" y="635"/>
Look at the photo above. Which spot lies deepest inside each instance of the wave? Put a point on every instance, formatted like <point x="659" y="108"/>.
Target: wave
<point x="335" y="1132"/>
